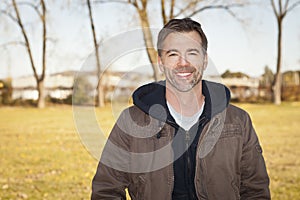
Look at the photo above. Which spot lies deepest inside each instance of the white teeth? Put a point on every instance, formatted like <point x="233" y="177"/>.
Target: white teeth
<point x="183" y="74"/>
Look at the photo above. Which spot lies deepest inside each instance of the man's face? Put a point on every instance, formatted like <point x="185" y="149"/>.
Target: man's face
<point x="183" y="60"/>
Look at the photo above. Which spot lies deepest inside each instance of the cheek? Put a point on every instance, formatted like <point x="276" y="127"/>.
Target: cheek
<point x="198" y="61"/>
<point x="200" y="66"/>
<point x="170" y="62"/>
<point x="166" y="66"/>
<point x="168" y="72"/>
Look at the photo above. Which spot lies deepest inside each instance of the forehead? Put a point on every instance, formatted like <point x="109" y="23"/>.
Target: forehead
<point x="182" y="40"/>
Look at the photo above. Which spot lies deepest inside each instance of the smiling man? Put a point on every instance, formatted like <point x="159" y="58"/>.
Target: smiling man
<point x="182" y="139"/>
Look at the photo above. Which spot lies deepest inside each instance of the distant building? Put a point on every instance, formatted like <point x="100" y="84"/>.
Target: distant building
<point x="242" y="88"/>
<point x="120" y="85"/>
<point x="24" y="88"/>
<point x="60" y="85"/>
<point x="290" y="86"/>
<point x="291" y="78"/>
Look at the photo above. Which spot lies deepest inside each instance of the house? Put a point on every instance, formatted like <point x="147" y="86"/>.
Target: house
<point x="242" y="88"/>
<point x="60" y="85"/>
<point x="24" y="88"/>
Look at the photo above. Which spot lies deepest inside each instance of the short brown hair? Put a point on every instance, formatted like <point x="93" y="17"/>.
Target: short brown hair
<point x="181" y="26"/>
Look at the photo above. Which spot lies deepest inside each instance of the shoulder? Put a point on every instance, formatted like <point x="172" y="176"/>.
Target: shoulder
<point x="238" y="115"/>
<point x="133" y="111"/>
<point x="134" y="114"/>
<point x="232" y="109"/>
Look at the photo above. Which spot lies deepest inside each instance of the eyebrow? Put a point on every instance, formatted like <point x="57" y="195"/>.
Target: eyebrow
<point x="197" y="50"/>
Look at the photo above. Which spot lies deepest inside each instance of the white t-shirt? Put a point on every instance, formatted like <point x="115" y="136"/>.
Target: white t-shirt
<point x="183" y="121"/>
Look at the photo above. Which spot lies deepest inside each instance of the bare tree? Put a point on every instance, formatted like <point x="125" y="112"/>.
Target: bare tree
<point x="100" y="90"/>
<point x="40" y="9"/>
<point x="193" y="7"/>
<point x="164" y="15"/>
<point x="280" y="12"/>
<point x="183" y="8"/>
<point x="141" y="8"/>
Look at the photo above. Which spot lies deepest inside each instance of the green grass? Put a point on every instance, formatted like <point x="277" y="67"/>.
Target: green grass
<point x="41" y="155"/>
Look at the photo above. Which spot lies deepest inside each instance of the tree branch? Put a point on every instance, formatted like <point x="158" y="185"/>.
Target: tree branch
<point x="280" y="7"/>
<point x="9" y="15"/>
<point x="191" y="4"/>
<point x="135" y="4"/>
<point x="226" y="7"/>
<point x="35" y="7"/>
<point x="144" y="3"/>
<point x="293" y="6"/>
<point x="274" y="9"/>
<point x="163" y="11"/>
<point x="129" y="2"/>
<point x="286" y="5"/>
<point x="26" y="39"/>
<point x="113" y="1"/>
<point x="172" y="9"/>
<point x="43" y="19"/>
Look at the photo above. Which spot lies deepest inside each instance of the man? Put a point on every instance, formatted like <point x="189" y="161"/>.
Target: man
<point x="181" y="139"/>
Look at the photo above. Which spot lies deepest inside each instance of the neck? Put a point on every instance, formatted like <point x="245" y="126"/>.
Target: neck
<point x="186" y="103"/>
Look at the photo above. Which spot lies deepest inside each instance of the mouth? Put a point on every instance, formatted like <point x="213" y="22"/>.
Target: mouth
<point x="184" y="74"/>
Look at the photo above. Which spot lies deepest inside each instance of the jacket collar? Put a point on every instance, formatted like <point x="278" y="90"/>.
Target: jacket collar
<point x="150" y="98"/>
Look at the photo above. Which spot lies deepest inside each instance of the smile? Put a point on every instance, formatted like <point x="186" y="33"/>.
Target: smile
<point x="183" y="74"/>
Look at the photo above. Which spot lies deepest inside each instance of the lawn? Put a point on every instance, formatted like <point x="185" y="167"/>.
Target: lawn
<point x="42" y="157"/>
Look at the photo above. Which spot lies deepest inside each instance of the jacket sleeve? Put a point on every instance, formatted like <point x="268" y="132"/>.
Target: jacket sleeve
<point x="108" y="184"/>
<point x="110" y="181"/>
<point x="254" y="177"/>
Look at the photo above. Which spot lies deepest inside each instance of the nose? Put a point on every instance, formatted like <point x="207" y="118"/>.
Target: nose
<point x="183" y="61"/>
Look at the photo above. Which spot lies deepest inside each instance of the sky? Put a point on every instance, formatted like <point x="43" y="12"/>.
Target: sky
<point x="246" y="46"/>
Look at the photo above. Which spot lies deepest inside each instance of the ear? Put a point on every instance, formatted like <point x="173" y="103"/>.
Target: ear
<point x="160" y="64"/>
<point x="205" y="63"/>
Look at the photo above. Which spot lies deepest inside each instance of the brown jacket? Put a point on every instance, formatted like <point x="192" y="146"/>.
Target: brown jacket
<point x="229" y="161"/>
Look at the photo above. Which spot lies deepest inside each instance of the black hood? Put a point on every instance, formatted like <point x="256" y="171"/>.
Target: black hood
<point x="150" y="98"/>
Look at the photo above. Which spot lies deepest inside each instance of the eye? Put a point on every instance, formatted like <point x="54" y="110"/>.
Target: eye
<point x="193" y="53"/>
<point x="172" y="54"/>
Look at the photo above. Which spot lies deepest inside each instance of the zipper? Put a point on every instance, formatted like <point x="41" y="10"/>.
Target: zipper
<point x="187" y="138"/>
<point x="188" y="158"/>
<point x="172" y="182"/>
<point x="187" y="146"/>
<point x="187" y="141"/>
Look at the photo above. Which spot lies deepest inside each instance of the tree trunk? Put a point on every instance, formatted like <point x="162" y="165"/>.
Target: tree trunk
<point x="151" y="52"/>
<point x="41" y="92"/>
<point x="43" y="19"/>
<point x="163" y="11"/>
<point x="39" y="80"/>
<point x="100" y="94"/>
<point x="278" y="79"/>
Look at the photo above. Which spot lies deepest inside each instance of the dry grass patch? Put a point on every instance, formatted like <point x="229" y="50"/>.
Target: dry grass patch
<point x="42" y="157"/>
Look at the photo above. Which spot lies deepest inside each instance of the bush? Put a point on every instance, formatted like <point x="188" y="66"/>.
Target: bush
<point x="6" y="91"/>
